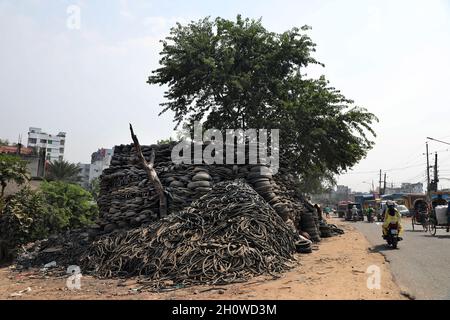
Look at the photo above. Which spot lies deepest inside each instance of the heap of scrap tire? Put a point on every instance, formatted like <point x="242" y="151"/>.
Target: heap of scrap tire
<point x="228" y="235"/>
<point x="128" y="200"/>
<point x="225" y="223"/>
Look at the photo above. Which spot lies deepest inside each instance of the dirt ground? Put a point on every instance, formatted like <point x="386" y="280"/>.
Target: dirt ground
<point x="337" y="270"/>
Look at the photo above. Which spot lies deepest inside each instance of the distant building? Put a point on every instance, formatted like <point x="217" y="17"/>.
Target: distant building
<point x="100" y="160"/>
<point x="343" y="190"/>
<point x="406" y="188"/>
<point x="54" y="145"/>
<point x="84" y="174"/>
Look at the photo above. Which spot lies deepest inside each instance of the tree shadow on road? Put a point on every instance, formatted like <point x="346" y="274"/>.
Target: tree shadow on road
<point x="415" y="231"/>
<point x="439" y="236"/>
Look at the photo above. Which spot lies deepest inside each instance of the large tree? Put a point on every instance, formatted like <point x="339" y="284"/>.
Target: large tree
<point x="61" y="170"/>
<point x="237" y="74"/>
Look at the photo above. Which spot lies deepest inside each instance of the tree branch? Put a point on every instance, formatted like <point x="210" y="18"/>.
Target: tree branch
<point x="151" y="173"/>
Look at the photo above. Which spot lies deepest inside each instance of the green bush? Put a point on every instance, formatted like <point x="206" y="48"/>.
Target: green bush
<point x="24" y="218"/>
<point x="71" y="205"/>
<point x="32" y="215"/>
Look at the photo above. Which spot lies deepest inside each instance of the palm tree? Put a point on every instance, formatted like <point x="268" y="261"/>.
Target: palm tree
<point x="61" y="170"/>
<point x="12" y="168"/>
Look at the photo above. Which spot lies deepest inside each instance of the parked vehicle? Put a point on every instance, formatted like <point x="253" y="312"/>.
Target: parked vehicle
<point x="342" y="209"/>
<point x="438" y="220"/>
<point x="404" y="211"/>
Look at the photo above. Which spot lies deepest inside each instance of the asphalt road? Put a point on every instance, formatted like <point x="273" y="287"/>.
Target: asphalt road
<point x="421" y="264"/>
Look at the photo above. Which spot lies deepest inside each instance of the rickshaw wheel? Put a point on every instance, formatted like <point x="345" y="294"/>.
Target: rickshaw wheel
<point x="425" y="225"/>
<point x="432" y="228"/>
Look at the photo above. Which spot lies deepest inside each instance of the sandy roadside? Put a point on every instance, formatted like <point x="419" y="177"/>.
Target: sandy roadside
<point x="336" y="271"/>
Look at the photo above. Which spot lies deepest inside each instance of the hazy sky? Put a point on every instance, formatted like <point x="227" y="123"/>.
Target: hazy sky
<point x="392" y="57"/>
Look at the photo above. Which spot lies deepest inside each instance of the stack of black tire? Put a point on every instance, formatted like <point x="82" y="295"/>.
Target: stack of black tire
<point x="308" y="225"/>
<point x="325" y="230"/>
<point x="200" y="181"/>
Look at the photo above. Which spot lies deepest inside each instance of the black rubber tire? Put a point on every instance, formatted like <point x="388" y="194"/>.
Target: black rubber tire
<point x="432" y="227"/>
<point x="394" y="243"/>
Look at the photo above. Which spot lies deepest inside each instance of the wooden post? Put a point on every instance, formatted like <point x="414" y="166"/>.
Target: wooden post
<point x="151" y="173"/>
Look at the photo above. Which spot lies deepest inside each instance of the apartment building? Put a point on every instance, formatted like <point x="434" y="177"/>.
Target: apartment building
<point x="100" y="160"/>
<point x="53" y="145"/>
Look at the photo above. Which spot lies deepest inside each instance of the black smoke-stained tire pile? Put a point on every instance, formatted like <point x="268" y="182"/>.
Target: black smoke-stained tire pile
<point x="226" y="236"/>
<point x="309" y="226"/>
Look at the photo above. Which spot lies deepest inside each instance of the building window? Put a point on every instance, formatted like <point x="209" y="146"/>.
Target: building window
<point x="50" y="141"/>
<point x="49" y="150"/>
<point x="61" y="150"/>
<point x="43" y="141"/>
<point x="32" y="140"/>
<point x="62" y="142"/>
<point x="60" y="158"/>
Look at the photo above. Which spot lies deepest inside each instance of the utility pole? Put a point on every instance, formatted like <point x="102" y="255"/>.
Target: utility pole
<point x="384" y="185"/>
<point x="379" y="188"/>
<point x="436" y="178"/>
<point x="428" y="172"/>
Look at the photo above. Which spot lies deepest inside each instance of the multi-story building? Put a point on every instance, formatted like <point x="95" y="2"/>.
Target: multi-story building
<point x="406" y="188"/>
<point x="100" y="160"/>
<point x="84" y="174"/>
<point x="53" y="144"/>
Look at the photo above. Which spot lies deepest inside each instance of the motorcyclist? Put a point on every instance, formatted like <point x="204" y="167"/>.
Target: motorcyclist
<point x="369" y="213"/>
<point x="392" y="215"/>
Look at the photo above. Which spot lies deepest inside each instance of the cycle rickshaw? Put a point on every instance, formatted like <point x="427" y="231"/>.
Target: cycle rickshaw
<point x="439" y="218"/>
<point x="420" y="216"/>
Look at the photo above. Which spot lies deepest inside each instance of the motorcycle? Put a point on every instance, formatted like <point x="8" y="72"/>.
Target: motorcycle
<point x="392" y="236"/>
<point x="370" y="217"/>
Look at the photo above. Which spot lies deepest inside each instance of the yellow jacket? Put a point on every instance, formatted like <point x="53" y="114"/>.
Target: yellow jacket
<point x="388" y="219"/>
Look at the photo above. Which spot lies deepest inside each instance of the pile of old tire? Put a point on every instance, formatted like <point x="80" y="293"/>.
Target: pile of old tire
<point x="325" y="230"/>
<point x="335" y="230"/>
<point x="308" y="225"/>
<point x="201" y="181"/>
<point x="303" y="246"/>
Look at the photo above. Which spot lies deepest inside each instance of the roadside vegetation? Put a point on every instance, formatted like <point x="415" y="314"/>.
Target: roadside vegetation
<point x="30" y="215"/>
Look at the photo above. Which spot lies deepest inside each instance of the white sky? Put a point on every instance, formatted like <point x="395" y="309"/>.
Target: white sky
<point x="392" y="57"/>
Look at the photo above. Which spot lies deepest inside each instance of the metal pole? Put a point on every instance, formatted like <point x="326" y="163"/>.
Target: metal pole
<point x="379" y="189"/>
<point x="436" y="179"/>
<point x="428" y="173"/>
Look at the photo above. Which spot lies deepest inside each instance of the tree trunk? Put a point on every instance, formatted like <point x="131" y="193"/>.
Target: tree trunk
<point x="3" y="190"/>
<point x="151" y="173"/>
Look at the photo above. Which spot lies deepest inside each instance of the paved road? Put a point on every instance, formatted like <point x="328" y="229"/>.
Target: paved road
<point x="421" y="264"/>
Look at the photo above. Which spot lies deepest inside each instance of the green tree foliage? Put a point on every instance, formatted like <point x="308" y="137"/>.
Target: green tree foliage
<point x="165" y="141"/>
<point x="61" y="170"/>
<point x="12" y="168"/>
<point x="24" y="218"/>
<point x="71" y="205"/>
<point x="94" y="188"/>
<point x="237" y="74"/>
<point x="32" y="215"/>
<point x="4" y="142"/>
